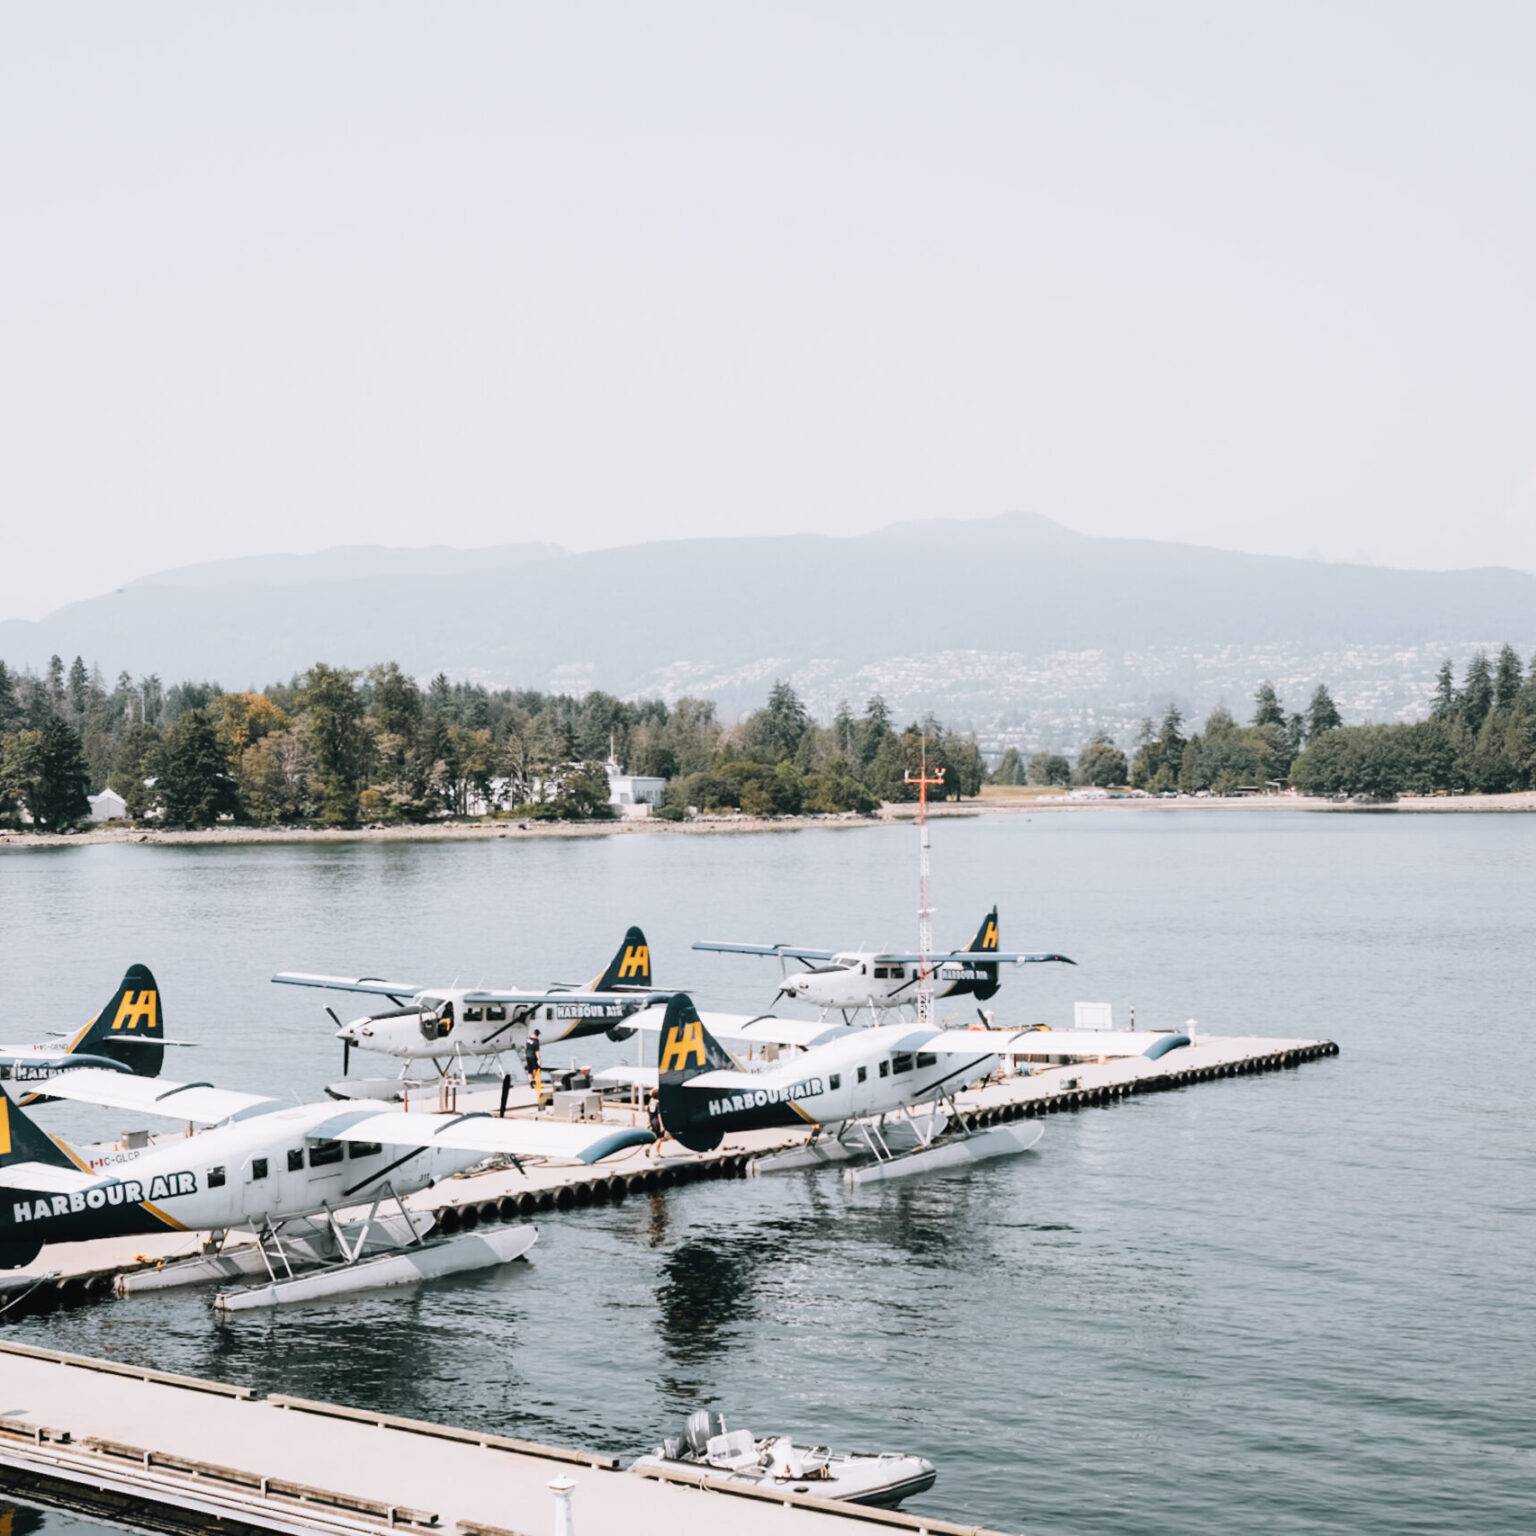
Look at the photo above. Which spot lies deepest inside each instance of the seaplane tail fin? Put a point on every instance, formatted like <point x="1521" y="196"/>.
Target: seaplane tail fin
<point x="630" y="967"/>
<point x="983" y="983"/>
<point x="22" y="1141"/>
<point x="34" y="1157"/>
<point x="687" y="1049"/>
<point x="130" y="1030"/>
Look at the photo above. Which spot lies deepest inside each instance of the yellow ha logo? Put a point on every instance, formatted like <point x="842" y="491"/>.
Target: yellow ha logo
<point x="636" y="961"/>
<point x="684" y="1048"/>
<point x="989" y="938"/>
<point x="5" y="1125"/>
<point x="137" y="1008"/>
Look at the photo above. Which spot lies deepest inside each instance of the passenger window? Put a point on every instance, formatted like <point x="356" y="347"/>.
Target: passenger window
<point x="258" y="1168"/>
<point x="549" y="1014"/>
<point x="215" y="1178"/>
<point x="363" y="1148"/>
<point x="898" y="973"/>
<point x="836" y="1081"/>
<point x="324" y="1153"/>
<point x="295" y="1159"/>
<point x="495" y="1013"/>
<point x="881" y="973"/>
<point x="927" y="1059"/>
<point x="863" y="1073"/>
<point x="472" y="1015"/>
<point x="901" y="1063"/>
<point x="885" y="1069"/>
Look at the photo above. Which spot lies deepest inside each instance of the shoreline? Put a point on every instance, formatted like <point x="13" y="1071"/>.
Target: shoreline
<point x="888" y="815"/>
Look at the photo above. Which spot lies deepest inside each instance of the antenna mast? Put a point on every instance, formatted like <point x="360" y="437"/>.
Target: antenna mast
<point x="924" y="911"/>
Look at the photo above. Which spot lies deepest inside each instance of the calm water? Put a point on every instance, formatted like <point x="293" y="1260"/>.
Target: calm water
<point x="1293" y="1303"/>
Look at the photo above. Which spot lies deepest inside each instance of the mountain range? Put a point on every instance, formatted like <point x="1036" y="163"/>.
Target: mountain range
<point x="1014" y="625"/>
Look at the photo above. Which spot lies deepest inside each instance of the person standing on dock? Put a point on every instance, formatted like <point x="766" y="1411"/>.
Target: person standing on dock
<point x="654" y="1124"/>
<point x="535" y="1071"/>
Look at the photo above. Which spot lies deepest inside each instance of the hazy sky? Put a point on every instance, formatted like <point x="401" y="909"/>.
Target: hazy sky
<point x="283" y="276"/>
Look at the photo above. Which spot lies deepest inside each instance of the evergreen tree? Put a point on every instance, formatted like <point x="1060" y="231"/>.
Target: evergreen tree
<point x="1476" y="693"/>
<point x="1267" y="708"/>
<point x="1049" y="769"/>
<point x="875" y="730"/>
<point x="55" y="682"/>
<point x="1444" y="705"/>
<point x="10" y="711"/>
<point x="1295" y="733"/>
<point x="195" y="785"/>
<point x="1322" y="713"/>
<point x="1102" y="763"/>
<point x="52" y="779"/>
<point x="1010" y="768"/>
<point x="1507" y="678"/>
<point x="77" y="690"/>
<point x="775" y="732"/>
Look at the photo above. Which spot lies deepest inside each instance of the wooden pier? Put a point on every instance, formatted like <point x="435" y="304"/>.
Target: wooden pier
<point x="179" y="1454"/>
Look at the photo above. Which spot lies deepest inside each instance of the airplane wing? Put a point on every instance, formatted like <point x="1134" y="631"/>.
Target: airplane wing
<point x="1042" y="1043"/>
<point x="975" y="956"/>
<point x="372" y="984"/>
<point x="481" y="1132"/>
<point x="750" y="1028"/>
<point x="780" y="951"/>
<point x="571" y="1001"/>
<point x="201" y="1103"/>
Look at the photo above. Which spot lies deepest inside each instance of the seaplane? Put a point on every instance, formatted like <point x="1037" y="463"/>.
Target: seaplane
<point x="848" y="981"/>
<point x="883" y="1093"/>
<point x="446" y="1025"/>
<point x="321" y="1188"/>
<point x="128" y="1035"/>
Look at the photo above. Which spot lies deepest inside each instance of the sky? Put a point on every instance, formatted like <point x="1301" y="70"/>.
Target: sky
<point x="287" y="276"/>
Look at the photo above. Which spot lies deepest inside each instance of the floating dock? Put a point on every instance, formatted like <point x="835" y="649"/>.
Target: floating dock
<point x="69" y="1273"/>
<point x="176" y="1453"/>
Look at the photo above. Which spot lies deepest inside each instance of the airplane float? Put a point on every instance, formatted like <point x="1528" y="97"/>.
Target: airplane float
<point x="283" y="1172"/>
<point x="444" y="1025"/>
<point x="859" y="1088"/>
<point x="128" y="1035"/>
<point x="846" y="981"/>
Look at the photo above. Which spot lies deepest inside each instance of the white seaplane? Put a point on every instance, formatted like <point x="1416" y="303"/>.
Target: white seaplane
<point x="127" y="1035"/>
<point x="861" y="1089"/>
<point x="316" y="1184"/>
<point x="446" y="1025"/>
<point x="847" y="981"/>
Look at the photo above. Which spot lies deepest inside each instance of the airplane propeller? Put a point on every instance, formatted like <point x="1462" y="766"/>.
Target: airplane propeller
<point x="346" y="1044"/>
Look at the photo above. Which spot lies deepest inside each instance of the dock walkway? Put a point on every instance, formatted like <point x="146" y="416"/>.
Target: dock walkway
<point x="180" y="1454"/>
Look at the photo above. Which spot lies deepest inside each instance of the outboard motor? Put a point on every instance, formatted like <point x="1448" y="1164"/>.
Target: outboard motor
<point x="700" y="1429"/>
